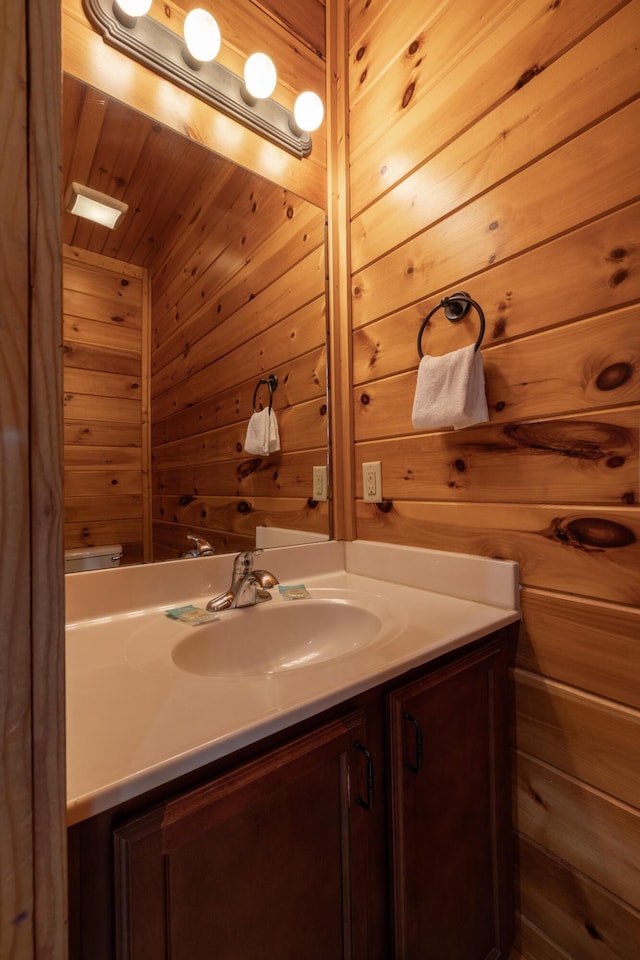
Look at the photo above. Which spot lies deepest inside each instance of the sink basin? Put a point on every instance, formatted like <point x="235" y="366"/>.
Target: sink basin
<point x="270" y="639"/>
<point x="275" y="637"/>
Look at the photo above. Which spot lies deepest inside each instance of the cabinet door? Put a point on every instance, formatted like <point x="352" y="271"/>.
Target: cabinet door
<point x="451" y="820"/>
<point x="260" y="864"/>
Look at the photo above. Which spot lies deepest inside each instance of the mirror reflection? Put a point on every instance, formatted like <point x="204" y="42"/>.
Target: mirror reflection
<point x="213" y="281"/>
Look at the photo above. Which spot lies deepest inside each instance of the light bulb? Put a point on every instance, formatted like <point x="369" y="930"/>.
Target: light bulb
<point x="132" y="9"/>
<point x="308" y="111"/>
<point x="260" y="76"/>
<point x="202" y="35"/>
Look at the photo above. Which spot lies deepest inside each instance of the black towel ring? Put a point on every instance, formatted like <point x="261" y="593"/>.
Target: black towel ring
<point x="455" y="308"/>
<point x="272" y="382"/>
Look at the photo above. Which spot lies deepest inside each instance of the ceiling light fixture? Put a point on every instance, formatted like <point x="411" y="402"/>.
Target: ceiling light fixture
<point x="247" y="100"/>
<point x="99" y="207"/>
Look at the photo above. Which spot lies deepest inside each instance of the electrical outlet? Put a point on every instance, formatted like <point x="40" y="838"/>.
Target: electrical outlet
<point x="372" y="482"/>
<point x="320" y="483"/>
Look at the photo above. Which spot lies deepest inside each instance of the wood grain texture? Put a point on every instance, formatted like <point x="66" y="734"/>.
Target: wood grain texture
<point x="580" y="917"/>
<point x="600" y="271"/>
<point x="582" y="642"/>
<point x="585" y="736"/>
<point x="247" y="303"/>
<point x="600" y="362"/>
<point x="106" y="387"/>
<point x="535" y="944"/>
<point x="16" y="785"/>
<point x="581" y="826"/>
<point x="407" y="95"/>
<point x="553" y="106"/>
<point x="32" y="778"/>
<point x="590" y="458"/>
<point x="559" y="547"/>
<point x="571" y="184"/>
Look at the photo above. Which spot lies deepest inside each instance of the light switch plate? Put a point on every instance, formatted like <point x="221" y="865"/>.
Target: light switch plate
<point x="320" y="483"/>
<point x="372" y="482"/>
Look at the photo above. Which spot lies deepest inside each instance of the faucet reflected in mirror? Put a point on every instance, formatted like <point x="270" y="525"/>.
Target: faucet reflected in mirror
<point x="214" y="277"/>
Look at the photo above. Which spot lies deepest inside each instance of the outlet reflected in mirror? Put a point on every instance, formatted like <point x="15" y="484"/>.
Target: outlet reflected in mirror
<point x="214" y="279"/>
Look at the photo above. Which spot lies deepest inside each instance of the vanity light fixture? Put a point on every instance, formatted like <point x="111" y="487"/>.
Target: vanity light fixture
<point x="99" y="207"/>
<point x="202" y="37"/>
<point x="308" y="111"/>
<point x="260" y="76"/>
<point x="123" y="25"/>
<point x="128" y="11"/>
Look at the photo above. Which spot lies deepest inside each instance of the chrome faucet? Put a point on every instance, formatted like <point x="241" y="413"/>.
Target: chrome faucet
<point x="201" y="547"/>
<point x="248" y="586"/>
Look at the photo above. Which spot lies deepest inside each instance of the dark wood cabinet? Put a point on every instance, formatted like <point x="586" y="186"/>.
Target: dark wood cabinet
<point x="256" y="864"/>
<point x="450" y="819"/>
<point x="379" y="830"/>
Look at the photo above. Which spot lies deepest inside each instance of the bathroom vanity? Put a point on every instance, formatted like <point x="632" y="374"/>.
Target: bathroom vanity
<point x="340" y="802"/>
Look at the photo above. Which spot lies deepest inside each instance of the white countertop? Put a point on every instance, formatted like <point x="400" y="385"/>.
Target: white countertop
<point x="135" y="720"/>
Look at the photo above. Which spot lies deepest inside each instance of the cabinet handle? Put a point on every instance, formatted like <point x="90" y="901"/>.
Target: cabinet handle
<point x="368" y="803"/>
<point x="417" y="766"/>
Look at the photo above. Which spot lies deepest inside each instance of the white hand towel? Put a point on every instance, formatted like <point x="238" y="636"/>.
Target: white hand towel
<point x="274" y="432"/>
<point x="450" y="391"/>
<point x="257" y="438"/>
<point x="263" y="436"/>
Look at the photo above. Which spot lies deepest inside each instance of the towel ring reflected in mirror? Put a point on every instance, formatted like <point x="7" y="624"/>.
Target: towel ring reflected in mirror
<point x="456" y="307"/>
<point x="271" y="382"/>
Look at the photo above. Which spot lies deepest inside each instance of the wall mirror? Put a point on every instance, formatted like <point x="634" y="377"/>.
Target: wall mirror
<point x="214" y="279"/>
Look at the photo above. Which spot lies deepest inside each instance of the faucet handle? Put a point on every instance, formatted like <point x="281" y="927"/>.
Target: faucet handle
<point x="243" y="563"/>
<point x="201" y="547"/>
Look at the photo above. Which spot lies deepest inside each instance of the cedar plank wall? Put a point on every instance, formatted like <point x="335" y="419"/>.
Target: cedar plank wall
<point x="104" y="410"/>
<point x="231" y="306"/>
<point x="494" y="148"/>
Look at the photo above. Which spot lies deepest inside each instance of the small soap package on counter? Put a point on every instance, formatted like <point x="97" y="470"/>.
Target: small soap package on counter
<point x="296" y="592"/>
<point x="192" y="615"/>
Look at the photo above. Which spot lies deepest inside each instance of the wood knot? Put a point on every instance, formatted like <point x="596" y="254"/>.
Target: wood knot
<point x="499" y="328"/>
<point x="593" y="931"/>
<point x="311" y="503"/>
<point x="186" y="499"/>
<point x="527" y="76"/>
<point x="243" y="507"/>
<point x="618" y="277"/>
<point x="360" y="54"/>
<point x="408" y="94"/>
<point x="385" y="506"/>
<point x="364" y="399"/>
<point x="594" y="532"/>
<point x="289" y="213"/>
<point x="614" y="376"/>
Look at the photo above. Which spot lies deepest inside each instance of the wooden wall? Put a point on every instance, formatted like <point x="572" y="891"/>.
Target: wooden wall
<point x="32" y="776"/>
<point x="106" y="404"/>
<point x="230" y="306"/>
<point x="494" y="148"/>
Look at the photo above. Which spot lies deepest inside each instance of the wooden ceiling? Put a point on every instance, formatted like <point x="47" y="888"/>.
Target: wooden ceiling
<point x="161" y="175"/>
